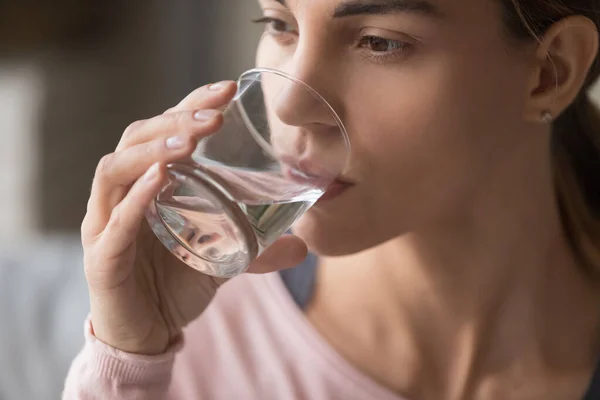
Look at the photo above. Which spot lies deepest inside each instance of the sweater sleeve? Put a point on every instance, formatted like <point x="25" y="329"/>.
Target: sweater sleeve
<point x="102" y="372"/>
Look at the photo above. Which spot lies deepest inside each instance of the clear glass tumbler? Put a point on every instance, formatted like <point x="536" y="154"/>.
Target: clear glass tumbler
<point x="279" y="149"/>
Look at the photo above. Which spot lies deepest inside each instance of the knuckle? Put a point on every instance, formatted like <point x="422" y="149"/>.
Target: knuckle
<point x="105" y="166"/>
<point x="87" y="232"/>
<point x="195" y="97"/>
<point x="199" y="94"/>
<point x="133" y="129"/>
<point x="152" y="150"/>
<point x="85" y="229"/>
<point x="115" y="221"/>
<point x="89" y="208"/>
<point x="181" y="120"/>
<point x="117" y="226"/>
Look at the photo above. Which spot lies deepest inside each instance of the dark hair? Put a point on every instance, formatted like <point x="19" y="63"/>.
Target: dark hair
<point x="575" y="133"/>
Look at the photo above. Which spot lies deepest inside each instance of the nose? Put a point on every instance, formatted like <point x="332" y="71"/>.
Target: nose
<point x="298" y="104"/>
<point x="304" y="125"/>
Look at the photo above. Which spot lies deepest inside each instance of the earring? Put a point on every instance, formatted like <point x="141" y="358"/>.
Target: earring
<point x="547" y="117"/>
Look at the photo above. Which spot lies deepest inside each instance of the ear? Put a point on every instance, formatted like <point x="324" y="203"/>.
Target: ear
<point x="562" y="61"/>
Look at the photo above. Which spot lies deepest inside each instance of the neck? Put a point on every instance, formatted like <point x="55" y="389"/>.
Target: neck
<point x="495" y="288"/>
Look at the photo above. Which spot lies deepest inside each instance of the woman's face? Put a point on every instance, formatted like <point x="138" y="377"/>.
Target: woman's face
<point x="431" y="93"/>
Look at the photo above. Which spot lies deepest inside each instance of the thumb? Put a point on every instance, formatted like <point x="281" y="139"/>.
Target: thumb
<point x="287" y="252"/>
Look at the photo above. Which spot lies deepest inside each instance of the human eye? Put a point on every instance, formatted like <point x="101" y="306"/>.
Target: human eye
<point x="379" y="49"/>
<point x="281" y="30"/>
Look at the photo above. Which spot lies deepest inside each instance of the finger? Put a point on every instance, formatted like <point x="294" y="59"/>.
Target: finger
<point x="198" y="123"/>
<point x="287" y="252"/>
<point x="117" y="171"/>
<point x="125" y="221"/>
<point x="215" y="95"/>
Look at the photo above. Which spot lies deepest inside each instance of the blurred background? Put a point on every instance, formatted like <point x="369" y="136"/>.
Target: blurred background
<point x="73" y="75"/>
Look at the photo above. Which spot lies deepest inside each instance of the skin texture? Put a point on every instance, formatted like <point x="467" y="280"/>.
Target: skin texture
<point x="445" y="273"/>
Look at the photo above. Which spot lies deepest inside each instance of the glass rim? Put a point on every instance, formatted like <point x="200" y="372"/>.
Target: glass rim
<point x="312" y="91"/>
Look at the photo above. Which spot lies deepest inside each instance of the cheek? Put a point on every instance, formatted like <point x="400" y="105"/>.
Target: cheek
<point x="269" y="54"/>
<point x="444" y="108"/>
<point x="411" y="129"/>
<point x="426" y="136"/>
<point x="261" y="54"/>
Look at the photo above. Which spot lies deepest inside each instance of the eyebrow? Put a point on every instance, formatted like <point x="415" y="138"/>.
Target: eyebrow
<point x="379" y="7"/>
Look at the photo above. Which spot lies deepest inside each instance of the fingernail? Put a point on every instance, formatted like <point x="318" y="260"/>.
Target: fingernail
<point x="175" y="142"/>
<point x="218" y="86"/>
<point x="205" y="115"/>
<point x="151" y="173"/>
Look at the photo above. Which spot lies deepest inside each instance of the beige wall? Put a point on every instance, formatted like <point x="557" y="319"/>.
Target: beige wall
<point x="21" y="92"/>
<point x="63" y="108"/>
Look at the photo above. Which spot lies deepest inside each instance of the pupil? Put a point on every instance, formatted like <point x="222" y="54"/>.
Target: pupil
<point x="279" y="26"/>
<point x="379" y="44"/>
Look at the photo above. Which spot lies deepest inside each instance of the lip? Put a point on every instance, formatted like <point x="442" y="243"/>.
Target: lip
<point x="300" y="176"/>
<point x="333" y="189"/>
<point x="336" y="189"/>
<point x="304" y="178"/>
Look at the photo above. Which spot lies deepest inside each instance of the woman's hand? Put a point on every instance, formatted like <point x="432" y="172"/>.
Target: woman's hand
<point x="141" y="296"/>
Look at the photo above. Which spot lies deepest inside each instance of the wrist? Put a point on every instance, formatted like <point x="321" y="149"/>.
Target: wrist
<point x="117" y="365"/>
<point x="150" y="345"/>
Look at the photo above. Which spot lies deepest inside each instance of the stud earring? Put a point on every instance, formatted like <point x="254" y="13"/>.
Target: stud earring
<point x="547" y="117"/>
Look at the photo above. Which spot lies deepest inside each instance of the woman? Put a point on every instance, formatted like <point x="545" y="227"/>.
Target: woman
<point x="461" y="262"/>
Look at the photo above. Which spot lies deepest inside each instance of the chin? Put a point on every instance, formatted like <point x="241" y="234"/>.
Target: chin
<point x="334" y="236"/>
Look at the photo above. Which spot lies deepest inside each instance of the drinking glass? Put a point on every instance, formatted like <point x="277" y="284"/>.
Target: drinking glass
<point x="280" y="147"/>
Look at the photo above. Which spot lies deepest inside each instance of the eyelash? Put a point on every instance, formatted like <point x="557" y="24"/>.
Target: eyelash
<point x="271" y="23"/>
<point x="402" y="48"/>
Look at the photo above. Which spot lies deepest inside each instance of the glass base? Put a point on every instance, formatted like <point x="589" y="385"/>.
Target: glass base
<point x="200" y="224"/>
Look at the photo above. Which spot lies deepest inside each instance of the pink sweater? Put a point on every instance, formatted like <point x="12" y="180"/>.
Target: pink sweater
<point x="253" y="342"/>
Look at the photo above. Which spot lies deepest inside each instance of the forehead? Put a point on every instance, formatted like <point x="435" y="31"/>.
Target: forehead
<point x="417" y="6"/>
<point x="471" y="17"/>
<point x="426" y="8"/>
